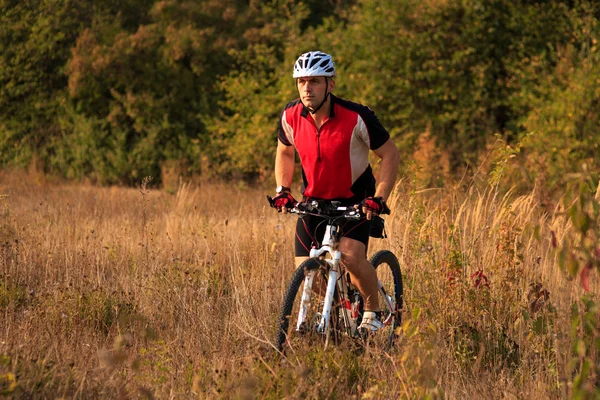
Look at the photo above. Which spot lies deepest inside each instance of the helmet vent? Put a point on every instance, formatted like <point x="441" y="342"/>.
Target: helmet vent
<point x="314" y="63"/>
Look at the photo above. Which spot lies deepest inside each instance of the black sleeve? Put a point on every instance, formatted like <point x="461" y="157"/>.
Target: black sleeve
<point x="281" y="133"/>
<point x="378" y="135"/>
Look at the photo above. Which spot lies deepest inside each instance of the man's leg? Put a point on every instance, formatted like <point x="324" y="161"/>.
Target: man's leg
<point x="361" y="271"/>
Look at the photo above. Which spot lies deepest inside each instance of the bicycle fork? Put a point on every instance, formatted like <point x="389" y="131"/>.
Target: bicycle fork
<point x="349" y="314"/>
<point x="323" y="324"/>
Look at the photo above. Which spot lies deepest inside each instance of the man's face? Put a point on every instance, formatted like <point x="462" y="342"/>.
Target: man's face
<point x="312" y="89"/>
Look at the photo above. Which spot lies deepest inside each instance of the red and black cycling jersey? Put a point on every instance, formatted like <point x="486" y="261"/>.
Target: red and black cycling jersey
<point x="334" y="158"/>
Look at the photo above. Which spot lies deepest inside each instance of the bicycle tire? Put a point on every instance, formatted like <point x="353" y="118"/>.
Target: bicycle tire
<point x="391" y="279"/>
<point x="291" y="300"/>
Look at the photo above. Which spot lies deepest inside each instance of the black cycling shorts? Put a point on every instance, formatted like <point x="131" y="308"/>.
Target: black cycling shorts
<point x="310" y="230"/>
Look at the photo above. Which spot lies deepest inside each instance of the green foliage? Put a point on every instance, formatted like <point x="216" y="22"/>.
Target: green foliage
<point x="114" y="91"/>
<point x="34" y="45"/>
<point x="145" y="114"/>
<point x="447" y="66"/>
<point x="564" y="124"/>
<point x="458" y="70"/>
<point x="584" y="364"/>
<point x="256" y="91"/>
<point x="580" y="249"/>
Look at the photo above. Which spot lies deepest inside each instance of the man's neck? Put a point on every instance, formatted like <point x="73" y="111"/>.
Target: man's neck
<point x="323" y="114"/>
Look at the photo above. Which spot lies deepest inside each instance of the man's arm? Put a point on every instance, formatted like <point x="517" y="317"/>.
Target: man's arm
<point x="284" y="164"/>
<point x="390" y="159"/>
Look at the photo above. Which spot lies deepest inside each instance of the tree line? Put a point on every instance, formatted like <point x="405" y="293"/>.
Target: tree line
<point x="115" y="91"/>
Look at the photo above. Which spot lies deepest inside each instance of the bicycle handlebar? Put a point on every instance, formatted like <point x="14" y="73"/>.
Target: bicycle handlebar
<point x="324" y="208"/>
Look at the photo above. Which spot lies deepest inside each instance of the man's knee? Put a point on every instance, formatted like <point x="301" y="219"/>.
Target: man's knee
<point x="353" y="253"/>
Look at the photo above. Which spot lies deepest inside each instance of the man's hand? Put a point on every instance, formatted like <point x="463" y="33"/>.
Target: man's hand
<point x="372" y="206"/>
<point x="284" y="201"/>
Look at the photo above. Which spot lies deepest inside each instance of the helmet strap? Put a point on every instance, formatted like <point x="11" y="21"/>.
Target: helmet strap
<point x="314" y="111"/>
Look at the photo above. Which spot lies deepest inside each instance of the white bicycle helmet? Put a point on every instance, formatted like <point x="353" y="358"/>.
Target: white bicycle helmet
<point x="314" y="63"/>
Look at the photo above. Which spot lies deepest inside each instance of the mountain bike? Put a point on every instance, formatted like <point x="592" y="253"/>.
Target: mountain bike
<point x="337" y="313"/>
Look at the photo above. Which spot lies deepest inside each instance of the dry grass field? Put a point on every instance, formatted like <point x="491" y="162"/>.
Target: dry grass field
<point x="140" y="293"/>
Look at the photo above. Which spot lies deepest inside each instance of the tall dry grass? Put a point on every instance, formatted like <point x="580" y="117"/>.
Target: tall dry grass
<point x="117" y="292"/>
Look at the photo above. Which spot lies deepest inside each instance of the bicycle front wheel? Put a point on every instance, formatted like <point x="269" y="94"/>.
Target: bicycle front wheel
<point x="296" y="327"/>
<point x="390" y="294"/>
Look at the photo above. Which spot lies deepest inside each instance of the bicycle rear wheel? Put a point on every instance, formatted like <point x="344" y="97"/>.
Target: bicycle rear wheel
<point x="388" y="272"/>
<point x="291" y="335"/>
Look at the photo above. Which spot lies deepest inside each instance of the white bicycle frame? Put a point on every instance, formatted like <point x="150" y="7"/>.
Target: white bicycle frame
<point x="330" y="245"/>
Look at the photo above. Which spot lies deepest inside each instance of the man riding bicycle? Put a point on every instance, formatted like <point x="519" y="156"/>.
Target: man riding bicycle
<point x="333" y="137"/>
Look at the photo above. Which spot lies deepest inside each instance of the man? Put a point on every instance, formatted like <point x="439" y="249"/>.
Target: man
<point x="333" y="137"/>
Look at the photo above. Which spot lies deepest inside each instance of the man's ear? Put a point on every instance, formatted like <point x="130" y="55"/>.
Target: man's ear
<point x="331" y="84"/>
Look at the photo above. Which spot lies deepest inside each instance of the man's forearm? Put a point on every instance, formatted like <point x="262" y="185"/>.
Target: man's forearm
<point x="284" y="169"/>
<point x="387" y="176"/>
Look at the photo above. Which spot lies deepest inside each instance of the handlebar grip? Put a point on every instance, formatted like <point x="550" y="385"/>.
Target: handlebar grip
<point x="386" y="209"/>
<point x="378" y="200"/>
<point x="271" y="201"/>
